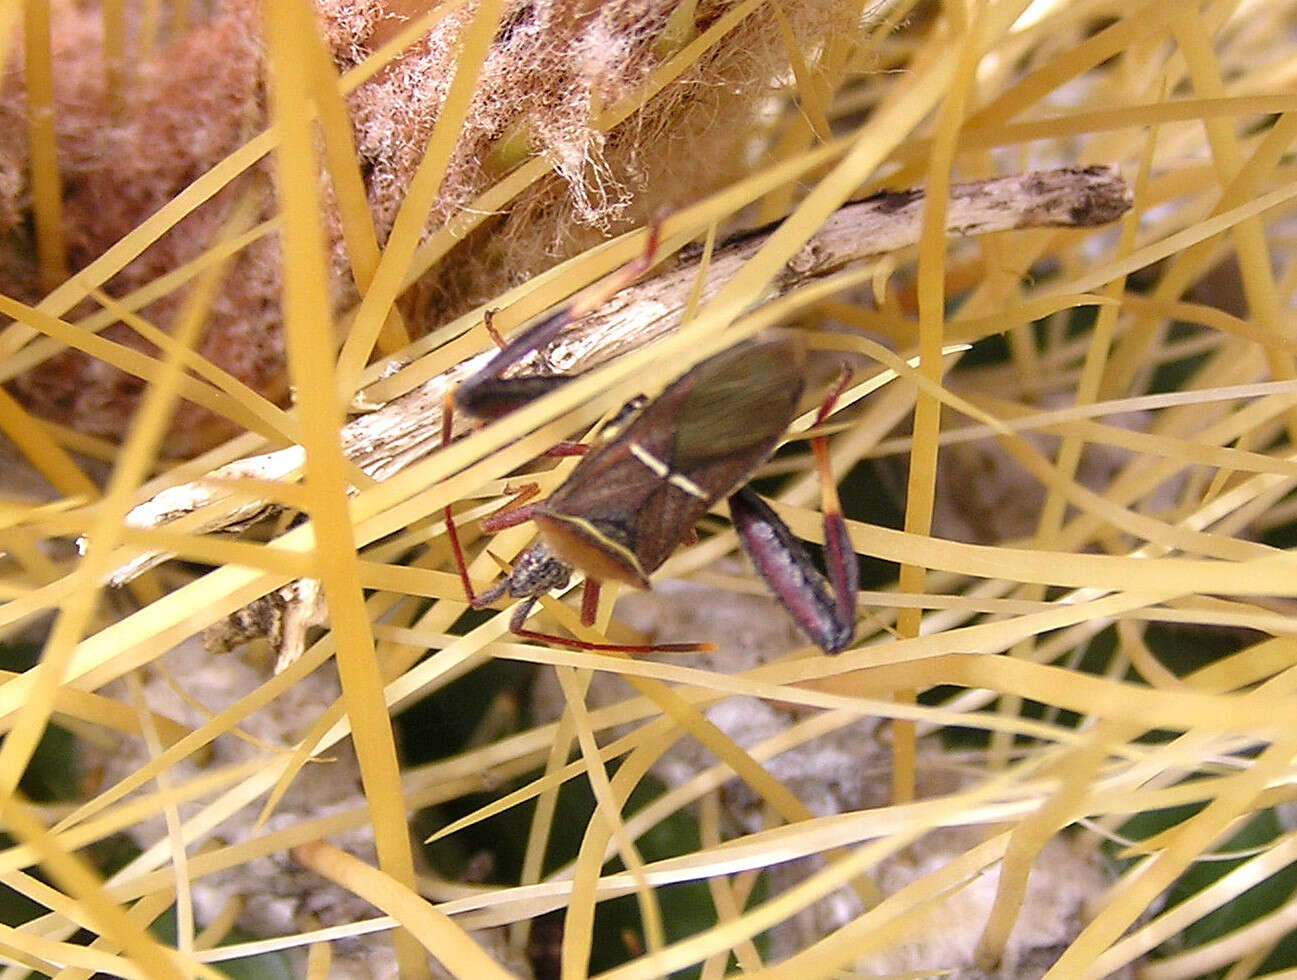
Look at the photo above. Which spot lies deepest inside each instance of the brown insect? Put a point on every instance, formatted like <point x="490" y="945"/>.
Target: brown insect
<point x="659" y="467"/>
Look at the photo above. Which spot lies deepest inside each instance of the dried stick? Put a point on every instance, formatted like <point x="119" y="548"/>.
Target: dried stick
<point x="407" y="428"/>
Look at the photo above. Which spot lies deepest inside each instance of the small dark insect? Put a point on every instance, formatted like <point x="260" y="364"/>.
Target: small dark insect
<point x="659" y="467"/>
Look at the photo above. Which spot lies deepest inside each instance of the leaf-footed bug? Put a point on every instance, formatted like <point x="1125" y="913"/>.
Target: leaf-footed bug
<point x="659" y="466"/>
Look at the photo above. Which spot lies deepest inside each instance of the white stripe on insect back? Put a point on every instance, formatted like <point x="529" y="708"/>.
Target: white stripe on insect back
<point x="663" y="472"/>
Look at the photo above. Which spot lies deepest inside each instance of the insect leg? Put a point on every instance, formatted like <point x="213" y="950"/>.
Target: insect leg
<point x="488" y="321"/>
<point x="589" y="601"/>
<point x="452" y="532"/>
<point x="574" y="644"/>
<point x="488" y="395"/>
<point x="515" y="512"/>
<point x="823" y="609"/>
<point x="567" y="448"/>
<point x="795" y="581"/>
<point x="839" y="556"/>
<point x="564" y="448"/>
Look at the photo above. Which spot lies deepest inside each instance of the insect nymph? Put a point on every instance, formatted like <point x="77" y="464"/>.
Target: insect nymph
<point x="661" y="465"/>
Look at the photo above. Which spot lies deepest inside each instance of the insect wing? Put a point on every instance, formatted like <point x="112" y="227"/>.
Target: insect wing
<point x="634" y="498"/>
<point x="737" y="408"/>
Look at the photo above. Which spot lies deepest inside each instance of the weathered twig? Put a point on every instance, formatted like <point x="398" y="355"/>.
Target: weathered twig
<point x="407" y="428"/>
